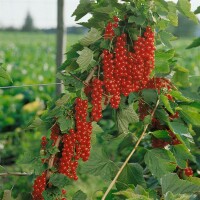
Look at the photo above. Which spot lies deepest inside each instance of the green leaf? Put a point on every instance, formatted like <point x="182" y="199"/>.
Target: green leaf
<point x="182" y="155"/>
<point x="178" y="128"/>
<point x="72" y="81"/>
<point x="161" y="134"/>
<point x="82" y="9"/>
<point x="165" y="38"/>
<point x="4" y="74"/>
<point x="172" y="14"/>
<point x="195" y="43"/>
<point x="130" y="194"/>
<point x="59" y="180"/>
<point x="92" y="36"/>
<point x="162" y="60"/>
<point x="160" y="162"/>
<point x="125" y="117"/>
<point x="179" y="96"/>
<point x="197" y="11"/>
<point x="129" y="177"/>
<point x="172" y="183"/>
<point x="191" y="114"/>
<point x="166" y="103"/>
<point x="184" y="6"/>
<point x="105" y="10"/>
<point x="181" y="77"/>
<point x="65" y="124"/>
<point x="79" y="195"/>
<point x="96" y="128"/>
<point x="99" y="165"/>
<point x="171" y="196"/>
<point x="139" y="20"/>
<point x="62" y="100"/>
<point x="85" y="58"/>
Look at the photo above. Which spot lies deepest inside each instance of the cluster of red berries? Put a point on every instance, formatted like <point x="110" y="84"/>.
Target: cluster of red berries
<point x="76" y="144"/>
<point x="125" y="71"/>
<point x="67" y="163"/>
<point x="39" y="187"/>
<point x="43" y="142"/>
<point x="97" y="94"/>
<point x="109" y="30"/>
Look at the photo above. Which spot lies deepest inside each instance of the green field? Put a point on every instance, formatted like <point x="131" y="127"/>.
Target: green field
<point x="30" y="59"/>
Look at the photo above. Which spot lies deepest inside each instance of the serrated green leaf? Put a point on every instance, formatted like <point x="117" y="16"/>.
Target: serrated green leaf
<point x="92" y="36"/>
<point x="105" y="10"/>
<point x="179" y="96"/>
<point x="139" y="20"/>
<point x="184" y="6"/>
<point x="166" y="103"/>
<point x="161" y="134"/>
<point x="195" y="43"/>
<point x="172" y="14"/>
<point x="182" y="155"/>
<point x="79" y="195"/>
<point x="160" y="162"/>
<point x="172" y="183"/>
<point x="149" y="96"/>
<point x="130" y="194"/>
<point x="99" y="165"/>
<point x="181" y="77"/>
<point x="59" y="180"/>
<point x="65" y="124"/>
<point x="178" y="128"/>
<point x="72" y="81"/>
<point x="4" y="74"/>
<point x="85" y="58"/>
<point x="96" y="128"/>
<point x="51" y="193"/>
<point x="125" y="117"/>
<point x="162" y="61"/>
<point x="128" y="176"/>
<point x="165" y="38"/>
<point x="61" y="101"/>
<point x="171" y="196"/>
<point x="82" y="9"/>
<point x="191" y="114"/>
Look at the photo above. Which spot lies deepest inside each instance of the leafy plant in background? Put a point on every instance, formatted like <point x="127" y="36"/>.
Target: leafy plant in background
<point x="122" y="101"/>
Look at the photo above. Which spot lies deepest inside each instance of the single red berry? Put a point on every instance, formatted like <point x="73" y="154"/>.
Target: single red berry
<point x="188" y="171"/>
<point x="64" y="191"/>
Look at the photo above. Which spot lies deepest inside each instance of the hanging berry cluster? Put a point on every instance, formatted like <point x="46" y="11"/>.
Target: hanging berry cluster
<point x="123" y="69"/>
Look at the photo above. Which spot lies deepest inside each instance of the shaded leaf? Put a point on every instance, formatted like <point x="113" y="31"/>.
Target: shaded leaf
<point x="132" y="174"/>
<point x="160" y="162"/>
<point x="59" y="180"/>
<point x="85" y="58"/>
<point x="166" y="37"/>
<point x="82" y="9"/>
<point x="166" y="103"/>
<point x="79" y="195"/>
<point x="195" y="43"/>
<point x="92" y="36"/>
<point x="172" y="183"/>
<point x="161" y="134"/>
<point x="182" y="155"/>
<point x="99" y="165"/>
<point x="172" y="14"/>
<point x="125" y="117"/>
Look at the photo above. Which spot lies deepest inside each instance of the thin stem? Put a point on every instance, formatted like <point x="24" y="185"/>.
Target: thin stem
<point x="91" y="74"/>
<point x="130" y="155"/>
<point x="15" y="174"/>
<point x="52" y="157"/>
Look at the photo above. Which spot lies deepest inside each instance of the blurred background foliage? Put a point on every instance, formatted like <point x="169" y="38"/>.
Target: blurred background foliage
<point x="30" y="59"/>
